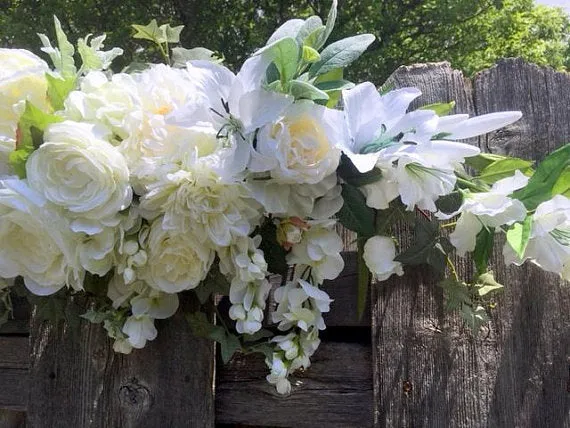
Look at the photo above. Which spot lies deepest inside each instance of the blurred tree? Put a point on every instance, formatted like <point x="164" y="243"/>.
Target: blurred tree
<point x="471" y="34"/>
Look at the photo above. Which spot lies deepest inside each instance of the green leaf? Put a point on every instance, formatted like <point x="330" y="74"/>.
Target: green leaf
<point x="199" y="324"/>
<point x="274" y="253"/>
<point x="151" y="32"/>
<point x="332" y="76"/>
<point x="335" y="85"/>
<point x="483" y="249"/>
<point x="94" y="316"/>
<point x="258" y="335"/>
<point x="562" y="185"/>
<point x="483" y="160"/>
<point x="331" y="20"/>
<point x="449" y="203"/>
<point x="541" y="184"/>
<point x="475" y="318"/>
<point x="215" y="283"/>
<point x="62" y="56"/>
<point x="518" y="236"/>
<point x="229" y="343"/>
<point x="310" y="32"/>
<point x="428" y="247"/>
<point x="180" y="56"/>
<point x="92" y="55"/>
<point x="348" y="172"/>
<point x="303" y="90"/>
<point x="289" y="29"/>
<point x="441" y="109"/>
<point x="355" y="214"/>
<point x="456" y="294"/>
<point x="31" y="128"/>
<point x="171" y="34"/>
<point x="310" y="55"/>
<point x="59" y="89"/>
<point x="363" y="281"/>
<point x="285" y="55"/>
<point x="341" y="53"/>
<point x="504" y="168"/>
<point x="486" y="284"/>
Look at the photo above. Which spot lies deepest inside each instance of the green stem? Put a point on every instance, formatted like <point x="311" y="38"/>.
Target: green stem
<point x="451" y="267"/>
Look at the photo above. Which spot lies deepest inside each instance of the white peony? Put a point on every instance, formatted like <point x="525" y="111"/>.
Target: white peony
<point x="176" y="261"/>
<point x="37" y="243"/>
<point x="379" y="254"/>
<point x="78" y="170"/>
<point x="301" y="146"/>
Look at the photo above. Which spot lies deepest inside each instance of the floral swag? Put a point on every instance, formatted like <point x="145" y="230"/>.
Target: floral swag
<point x="136" y="186"/>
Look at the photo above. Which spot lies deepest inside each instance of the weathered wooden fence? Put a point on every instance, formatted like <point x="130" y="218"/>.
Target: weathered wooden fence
<point x="407" y="364"/>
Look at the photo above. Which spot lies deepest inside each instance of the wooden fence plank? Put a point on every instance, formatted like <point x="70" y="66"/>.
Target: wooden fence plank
<point x="336" y="391"/>
<point x="80" y="382"/>
<point x="14" y="353"/>
<point x="428" y="371"/>
<point x="14" y="390"/>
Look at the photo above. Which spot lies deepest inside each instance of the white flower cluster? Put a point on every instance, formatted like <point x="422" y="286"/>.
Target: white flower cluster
<point x="158" y="180"/>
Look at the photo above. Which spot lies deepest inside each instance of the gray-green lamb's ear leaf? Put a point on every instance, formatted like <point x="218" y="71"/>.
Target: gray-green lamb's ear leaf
<point x="342" y="53"/>
<point x="331" y="20"/>
<point x="180" y="56"/>
<point x="335" y="85"/>
<point x="284" y="53"/>
<point x="305" y="91"/>
<point x="288" y="29"/>
<point x="62" y="56"/>
<point x="310" y="25"/>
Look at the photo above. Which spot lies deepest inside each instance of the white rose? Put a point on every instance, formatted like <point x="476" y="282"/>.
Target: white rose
<point x="22" y="77"/>
<point x="379" y="253"/>
<point x="176" y="261"/>
<point x="300" y="147"/>
<point x="78" y="170"/>
<point x="36" y="243"/>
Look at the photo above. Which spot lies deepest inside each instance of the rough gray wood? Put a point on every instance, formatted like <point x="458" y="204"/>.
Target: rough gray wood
<point x="14" y="353"/>
<point x="14" y="390"/>
<point x="336" y="391"/>
<point x="428" y="370"/>
<point x="12" y="419"/>
<point x="78" y="381"/>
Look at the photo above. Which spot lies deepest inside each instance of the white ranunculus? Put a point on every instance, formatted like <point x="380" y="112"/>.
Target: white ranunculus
<point x="37" y="243"/>
<point x="301" y="146"/>
<point x="320" y="249"/>
<point x="78" y="170"/>
<point x="22" y="78"/>
<point x="176" y="261"/>
<point x="379" y="254"/>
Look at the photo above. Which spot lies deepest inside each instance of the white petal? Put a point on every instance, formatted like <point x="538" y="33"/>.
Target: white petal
<point x="480" y="125"/>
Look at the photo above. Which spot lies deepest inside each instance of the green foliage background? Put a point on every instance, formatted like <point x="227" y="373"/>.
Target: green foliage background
<point x="471" y="34"/>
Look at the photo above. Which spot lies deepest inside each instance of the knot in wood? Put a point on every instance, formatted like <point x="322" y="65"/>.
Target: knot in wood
<point x="135" y="396"/>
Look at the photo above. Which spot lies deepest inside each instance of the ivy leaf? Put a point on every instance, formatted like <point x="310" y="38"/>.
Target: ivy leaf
<point x="341" y="54"/>
<point x="541" y="184"/>
<point x="150" y="32"/>
<point x="486" y="284"/>
<point x="180" y="56"/>
<point x="518" y="236"/>
<point x="215" y="283"/>
<point x="355" y="214"/>
<point x="92" y="57"/>
<point x="229" y="343"/>
<point x="428" y="247"/>
<point x="504" y="168"/>
<point x="199" y="324"/>
<point x="475" y="318"/>
<point x="274" y="253"/>
<point x="171" y="34"/>
<point x="449" y="203"/>
<point x="456" y="294"/>
<point x="260" y="334"/>
<point x="58" y="89"/>
<point x="441" y="109"/>
<point x="483" y="249"/>
<point x="94" y="317"/>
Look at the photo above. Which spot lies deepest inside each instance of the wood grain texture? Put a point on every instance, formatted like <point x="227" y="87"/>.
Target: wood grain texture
<point x="80" y="382"/>
<point x="428" y="370"/>
<point x="336" y="391"/>
<point x="14" y="353"/>
<point x="12" y="419"/>
<point x="14" y="391"/>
